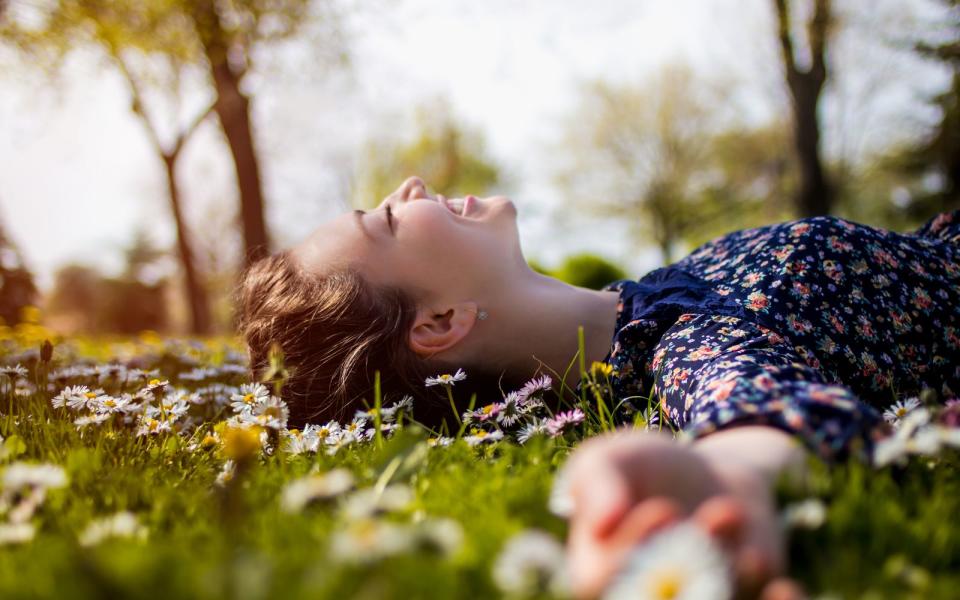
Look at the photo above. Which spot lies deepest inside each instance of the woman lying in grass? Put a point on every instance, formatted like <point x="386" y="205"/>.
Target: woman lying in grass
<point x="758" y="345"/>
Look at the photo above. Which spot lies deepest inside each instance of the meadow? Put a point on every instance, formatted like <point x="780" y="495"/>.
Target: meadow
<point x="148" y="467"/>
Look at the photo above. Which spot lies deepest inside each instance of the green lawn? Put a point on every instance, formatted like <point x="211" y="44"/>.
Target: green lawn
<point x="410" y="518"/>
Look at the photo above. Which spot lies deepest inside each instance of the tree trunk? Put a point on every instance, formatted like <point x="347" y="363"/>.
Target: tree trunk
<point x="816" y="194"/>
<point x="196" y="294"/>
<point x="233" y="110"/>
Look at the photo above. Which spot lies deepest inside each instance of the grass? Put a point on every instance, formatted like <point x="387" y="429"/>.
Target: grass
<point x="889" y="533"/>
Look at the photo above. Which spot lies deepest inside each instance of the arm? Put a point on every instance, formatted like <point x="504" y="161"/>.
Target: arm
<point x="717" y="374"/>
<point x="766" y="450"/>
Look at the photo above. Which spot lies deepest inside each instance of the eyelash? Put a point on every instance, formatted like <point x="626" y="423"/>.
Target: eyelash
<point x="390" y="218"/>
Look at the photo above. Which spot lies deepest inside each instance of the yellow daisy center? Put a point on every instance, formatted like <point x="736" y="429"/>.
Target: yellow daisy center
<point x="154" y="382"/>
<point x="90" y="395"/>
<point x="667" y="585"/>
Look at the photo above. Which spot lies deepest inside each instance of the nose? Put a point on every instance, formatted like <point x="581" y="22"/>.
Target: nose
<point x="413" y="188"/>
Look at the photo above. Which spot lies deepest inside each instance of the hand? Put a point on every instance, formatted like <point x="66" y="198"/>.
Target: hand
<point x="627" y="485"/>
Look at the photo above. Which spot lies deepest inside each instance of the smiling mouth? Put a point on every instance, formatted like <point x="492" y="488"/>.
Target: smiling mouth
<point x="460" y="206"/>
<point x="455" y="205"/>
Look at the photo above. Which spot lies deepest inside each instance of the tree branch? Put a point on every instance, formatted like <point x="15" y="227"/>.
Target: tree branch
<point x="786" y="42"/>
<point x="817" y="32"/>
<point x="187" y="133"/>
<point x="138" y="106"/>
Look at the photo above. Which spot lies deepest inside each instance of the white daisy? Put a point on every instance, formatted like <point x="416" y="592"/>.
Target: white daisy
<point x="326" y="434"/>
<point x="91" y="419"/>
<point x="446" y="379"/>
<point x="509" y="413"/>
<point x="531" y="563"/>
<point x="154" y="386"/>
<point x="368" y="502"/>
<point x="121" y="525"/>
<point x="441" y="535"/>
<point x="249" y="396"/>
<point x="21" y="475"/>
<point x="226" y="473"/>
<point x="14" y="371"/>
<point x="271" y="414"/>
<point x="300" y="492"/>
<point x="679" y="563"/>
<point x="71" y="396"/>
<point x="16" y="533"/>
<point x="649" y="418"/>
<point x="531" y="429"/>
<point x="806" y="514"/>
<point x="369" y="540"/>
<point x="479" y="436"/>
<point x="439" y="441"/>
<point x="900" y="409"/>
<point x="148" y="425"/>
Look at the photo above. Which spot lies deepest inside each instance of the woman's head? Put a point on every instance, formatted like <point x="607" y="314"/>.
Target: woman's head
<point x="366" y="292"/>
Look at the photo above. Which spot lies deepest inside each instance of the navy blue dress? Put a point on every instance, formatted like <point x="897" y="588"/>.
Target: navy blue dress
<point x="812" y="326"/>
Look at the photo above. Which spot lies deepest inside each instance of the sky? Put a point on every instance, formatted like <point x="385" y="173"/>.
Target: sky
<point x="78" y="176"/>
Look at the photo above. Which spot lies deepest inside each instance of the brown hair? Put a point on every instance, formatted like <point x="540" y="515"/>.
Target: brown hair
<point x="335" y="331"/>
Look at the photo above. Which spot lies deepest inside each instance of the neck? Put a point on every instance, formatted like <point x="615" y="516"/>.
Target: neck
<point x="535" y="325"/>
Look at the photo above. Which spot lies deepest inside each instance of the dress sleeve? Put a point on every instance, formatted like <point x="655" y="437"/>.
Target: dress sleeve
<point x="714" y="372"/>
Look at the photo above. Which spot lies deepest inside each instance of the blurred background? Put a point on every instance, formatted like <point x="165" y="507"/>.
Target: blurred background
<point x="149" y="149"/>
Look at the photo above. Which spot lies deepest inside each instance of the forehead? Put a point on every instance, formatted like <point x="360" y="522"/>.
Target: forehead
<point x="334" y="244"/>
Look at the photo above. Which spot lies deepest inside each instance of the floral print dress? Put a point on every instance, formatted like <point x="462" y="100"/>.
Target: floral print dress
<point x="812" y="326"/>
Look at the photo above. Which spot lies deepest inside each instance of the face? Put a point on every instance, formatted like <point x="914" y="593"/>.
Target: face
<point x="432" y="247"/>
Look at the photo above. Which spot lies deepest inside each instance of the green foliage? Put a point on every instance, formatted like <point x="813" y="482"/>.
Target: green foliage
<point x="448" y="156"/>
<point x="671" y="156"/>
<point x="888" y="533"/>
<point x="588" y="270"/>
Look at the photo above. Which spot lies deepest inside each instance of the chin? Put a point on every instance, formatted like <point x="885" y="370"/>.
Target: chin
<point x="503" y="204"/>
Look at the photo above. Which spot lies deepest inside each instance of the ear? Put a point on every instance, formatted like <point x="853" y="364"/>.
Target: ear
<point x="434" y="331"/>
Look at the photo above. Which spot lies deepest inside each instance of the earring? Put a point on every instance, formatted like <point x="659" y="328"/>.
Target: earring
<point x="482" y="315"/>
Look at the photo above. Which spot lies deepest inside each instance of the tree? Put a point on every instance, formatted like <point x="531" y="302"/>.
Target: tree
<point x="642" y="153"/>
<point x="805" y="83"/>
<point x="450" y="158"/>
<point x="221" y="38"/>
<point x="17" y="289"/>
<point x="939" y="153"/>
<point x="83" y="299"/>
<point x="142" y="41"/>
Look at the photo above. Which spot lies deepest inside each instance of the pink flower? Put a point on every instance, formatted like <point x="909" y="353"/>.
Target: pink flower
<point x="564" y="420"/>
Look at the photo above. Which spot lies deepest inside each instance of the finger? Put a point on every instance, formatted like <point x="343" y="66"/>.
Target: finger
<point x="593" y="562"/>
<point x="783" y="588"/>
<point x="645" y="519"/>
<point x="753" y="570"/>
<point x="724" y="518"/>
